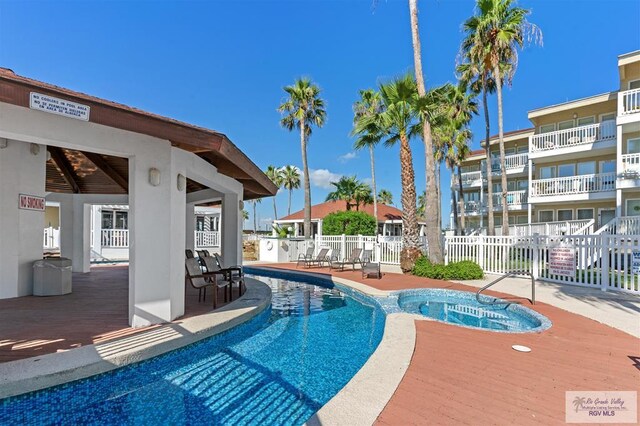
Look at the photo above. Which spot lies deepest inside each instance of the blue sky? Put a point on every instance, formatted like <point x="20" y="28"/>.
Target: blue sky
<point x="222" y="65"/>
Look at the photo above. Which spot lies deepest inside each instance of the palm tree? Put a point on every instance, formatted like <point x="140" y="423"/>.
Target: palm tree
<point x="275" y="174"/>
<point x="245" y="216"/>
<point x="433" y="231"/>
<point x="497" y="31"/>
<point x="370" y="106"/>
<point x="291" y="181"/>
<point x="352" y="191"/>
<point x="385" y="197"/>
<point x="254" y="203"/>
<point x="302" y="110"/>
<point x="400" y="98"/>
<point x="363" y="194"/>
<point x="422" y="203"/>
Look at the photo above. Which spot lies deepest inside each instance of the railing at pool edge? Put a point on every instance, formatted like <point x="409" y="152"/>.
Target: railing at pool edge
<point x="510" y="274"/>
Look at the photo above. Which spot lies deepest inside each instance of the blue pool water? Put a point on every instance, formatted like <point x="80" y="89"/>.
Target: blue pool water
<point x="461" y="308"/>
<point x="278" y="368"/>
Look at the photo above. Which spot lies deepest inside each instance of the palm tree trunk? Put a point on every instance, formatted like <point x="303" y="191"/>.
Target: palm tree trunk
<point x="433" y="231"/>
<point x="255" y="222"/>
<point x="456" y="218"/>
<point x="439" y="195"/>
<point x="503" y="168"/>
<point x="410" y="239"/>
<point x="490" y="226"/>
<point x="373" y="185"/>
<point x="275" y="211"/>
<point x="307" y="185"/>
<point x="289" y="206"/>
<point x="461" y="199"/>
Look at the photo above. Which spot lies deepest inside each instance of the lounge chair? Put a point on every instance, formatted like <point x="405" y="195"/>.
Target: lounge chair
<point x="318" y="260"/>
<point x="201" y="280"/>
<point x="351" y="260"/>
<point x="370" y="268"/>
<point x="305" y="257"/>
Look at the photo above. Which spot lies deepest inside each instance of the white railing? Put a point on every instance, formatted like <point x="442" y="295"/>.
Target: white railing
<point x="631" y="163"/>
<point x="571" y="227"/>
<point x="629" y="102"/>
<point x="628" y="225"/>
<point x="115" y="238"/>
<point x="573" y="185"/>
<point x="514" y="198"/>
<point x="51" y="238"/>
<point x="473" y="206"/>
<point x="207" y="239"/>
<point x="471" y="178"/>
<point x="575" y="136"/>
<point x="511" y="161"/>
<point x="601" y="261"/>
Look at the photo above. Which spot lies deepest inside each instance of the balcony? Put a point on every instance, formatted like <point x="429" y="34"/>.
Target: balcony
<point x="514" y="163"/>
<point x="516" y="200"/>
<point x="473" y="207"/>
<point x="574" y="188"/>
<point x="471" y="179"/>
<point x="629" y="102"/>
<point x="630" y="175"/>
<point x="577" y="139"/>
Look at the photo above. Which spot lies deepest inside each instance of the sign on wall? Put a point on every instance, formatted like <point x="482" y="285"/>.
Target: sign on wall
<point x="635" y="264"/>
<point x="562" y="261"/>
<point x="59" y="106"/>
<point x="31" y="202"/>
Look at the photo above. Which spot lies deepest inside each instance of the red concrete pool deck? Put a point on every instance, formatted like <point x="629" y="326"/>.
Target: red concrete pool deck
<point x="465" y="376"/>
<point x="96" y="311"/>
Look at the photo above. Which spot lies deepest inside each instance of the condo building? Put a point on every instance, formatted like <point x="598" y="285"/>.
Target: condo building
<point x="576" y="170"/>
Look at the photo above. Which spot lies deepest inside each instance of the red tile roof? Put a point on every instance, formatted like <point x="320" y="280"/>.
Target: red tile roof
<point x="494" y="138"/>
<point x="319" y="211"/>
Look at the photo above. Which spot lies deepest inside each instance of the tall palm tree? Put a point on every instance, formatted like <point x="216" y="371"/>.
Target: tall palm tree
<point x="291" y="181"/>
<point x="498" y="30"/>
<point x="303" y="109"/>
<point x="352" y="191"/>
<point x="363" y="194"/>
<point x="275" y="174"/>
<point x="433" y="231"/>
<point x="370" y="106"/>
<point x="400" y="98"/>
<point x="385" y="197"/>
<point x="254" y="203"/>
<point x="422" y="203"/>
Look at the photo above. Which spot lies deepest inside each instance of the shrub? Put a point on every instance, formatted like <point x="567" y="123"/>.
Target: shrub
<point x="463" y="270"/>
<point x="349" y="223"/>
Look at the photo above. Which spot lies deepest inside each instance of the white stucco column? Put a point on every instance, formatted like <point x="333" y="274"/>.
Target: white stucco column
<point x="97" y="228"/>
<point x="66" y="225"/>
<point x="156" y="236"/>
<point x="22" y="171"/>
<point x="296" y="229"/>
<point x="81" y="251"/>
<point x="190" y="226"/>
<point x="231" y="229"/>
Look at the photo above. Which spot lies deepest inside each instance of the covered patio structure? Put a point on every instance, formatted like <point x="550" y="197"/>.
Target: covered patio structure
<point x="79" y="150"/>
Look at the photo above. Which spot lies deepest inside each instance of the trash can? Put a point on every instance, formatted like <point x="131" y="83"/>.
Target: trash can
<point x="52" y="277"/>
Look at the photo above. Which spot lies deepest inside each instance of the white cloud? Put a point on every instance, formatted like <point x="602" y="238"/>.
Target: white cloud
<point x="346" y="157"/>
<point x="322" y="178"/>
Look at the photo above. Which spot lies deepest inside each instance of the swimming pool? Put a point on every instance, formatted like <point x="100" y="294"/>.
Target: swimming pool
<point x="278" y="368"/>
<point x="461" y="308"/>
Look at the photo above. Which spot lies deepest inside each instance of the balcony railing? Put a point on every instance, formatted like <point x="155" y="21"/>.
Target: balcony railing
<point x="51" y="238"/>
<point x="471" y="178"/>
<point x="629" y="102"/>
<point x="631" y="163"/>
<point x="115" y="238"/>
<point x="575" y="136"/>
<point x="473" y="206"/>
<point x="573" y="185"/>
<point x="511" y="162"/>
<point x="207" y="238"/>
<point x="514" y="198"/>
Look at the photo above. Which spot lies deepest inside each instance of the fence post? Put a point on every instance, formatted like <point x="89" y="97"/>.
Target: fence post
<point x="481" y="251"/>
<point x="535" y="266"/>
<point x="446" y="250"/>
<point x="377" y="249"/>
<point x="605" y="262"/>
<point x="360" y="242"/>
<point x="546" y="228"/>
<point x="343" y="246"/>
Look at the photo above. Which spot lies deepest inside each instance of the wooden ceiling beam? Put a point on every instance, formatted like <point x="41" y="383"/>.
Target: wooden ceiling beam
<point x="106" y="168"/>
<point x="61" y="161"/>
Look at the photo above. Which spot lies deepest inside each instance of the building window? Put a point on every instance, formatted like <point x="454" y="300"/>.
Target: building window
<point x="547" y="128"/>
<point x="635" y="84"/>
<point x="497" y="221"/>
<point x="587" y="168"/>
<point x="633" y="146"/>
<point x="545" y="216"/>
<point x="521" y="220"/>
<point x="633" y="207"/>
<point x="563" y="125"/>
<point x="585" y="214"/>
<point x="200" y="223"/>
<point x="548" y="172"/>
<point x="523" y="185"/>
<point x="115" y="219"/>
<point x="584" y="121"/>
<point x="565" y="215"/>
<point x="608" y="166"/>
<point x="608" y="117"/>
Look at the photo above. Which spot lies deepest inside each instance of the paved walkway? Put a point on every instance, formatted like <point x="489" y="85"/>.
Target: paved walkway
<point x="465" y="376"/>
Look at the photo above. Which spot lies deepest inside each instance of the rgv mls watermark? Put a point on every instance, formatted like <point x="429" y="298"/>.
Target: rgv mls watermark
<point x="601" y="407"/>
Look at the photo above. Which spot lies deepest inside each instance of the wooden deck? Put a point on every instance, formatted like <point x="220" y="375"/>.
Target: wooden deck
<point x="464" y="376"/>
<point x="96" y="310"/>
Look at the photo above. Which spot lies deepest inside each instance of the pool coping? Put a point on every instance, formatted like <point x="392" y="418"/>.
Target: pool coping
<point x="35" y="373"/>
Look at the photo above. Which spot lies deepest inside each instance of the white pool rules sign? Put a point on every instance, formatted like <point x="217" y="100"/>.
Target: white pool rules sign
<point x="59" y="106"/>
<point x="562" y="261"/>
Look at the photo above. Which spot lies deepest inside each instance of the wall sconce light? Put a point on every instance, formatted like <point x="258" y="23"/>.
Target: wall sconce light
<point x="34" y="149"/>
<point x="575" y="115"/>
<point x="154" y="176"/>
<point x="3" y="143"/>
<point x="182" y="182"/>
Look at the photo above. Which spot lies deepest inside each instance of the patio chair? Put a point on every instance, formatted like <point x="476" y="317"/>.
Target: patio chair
<point x="189" y="254"/>
<point x="304" y="257"/>
<point x="370" y="268"/>
<point x="235" y="273"/>
<point x="201" y="280"/>
<point x="351" y="260"/>
<point x="367" y="255"/>
<point x="318" y="260"/>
